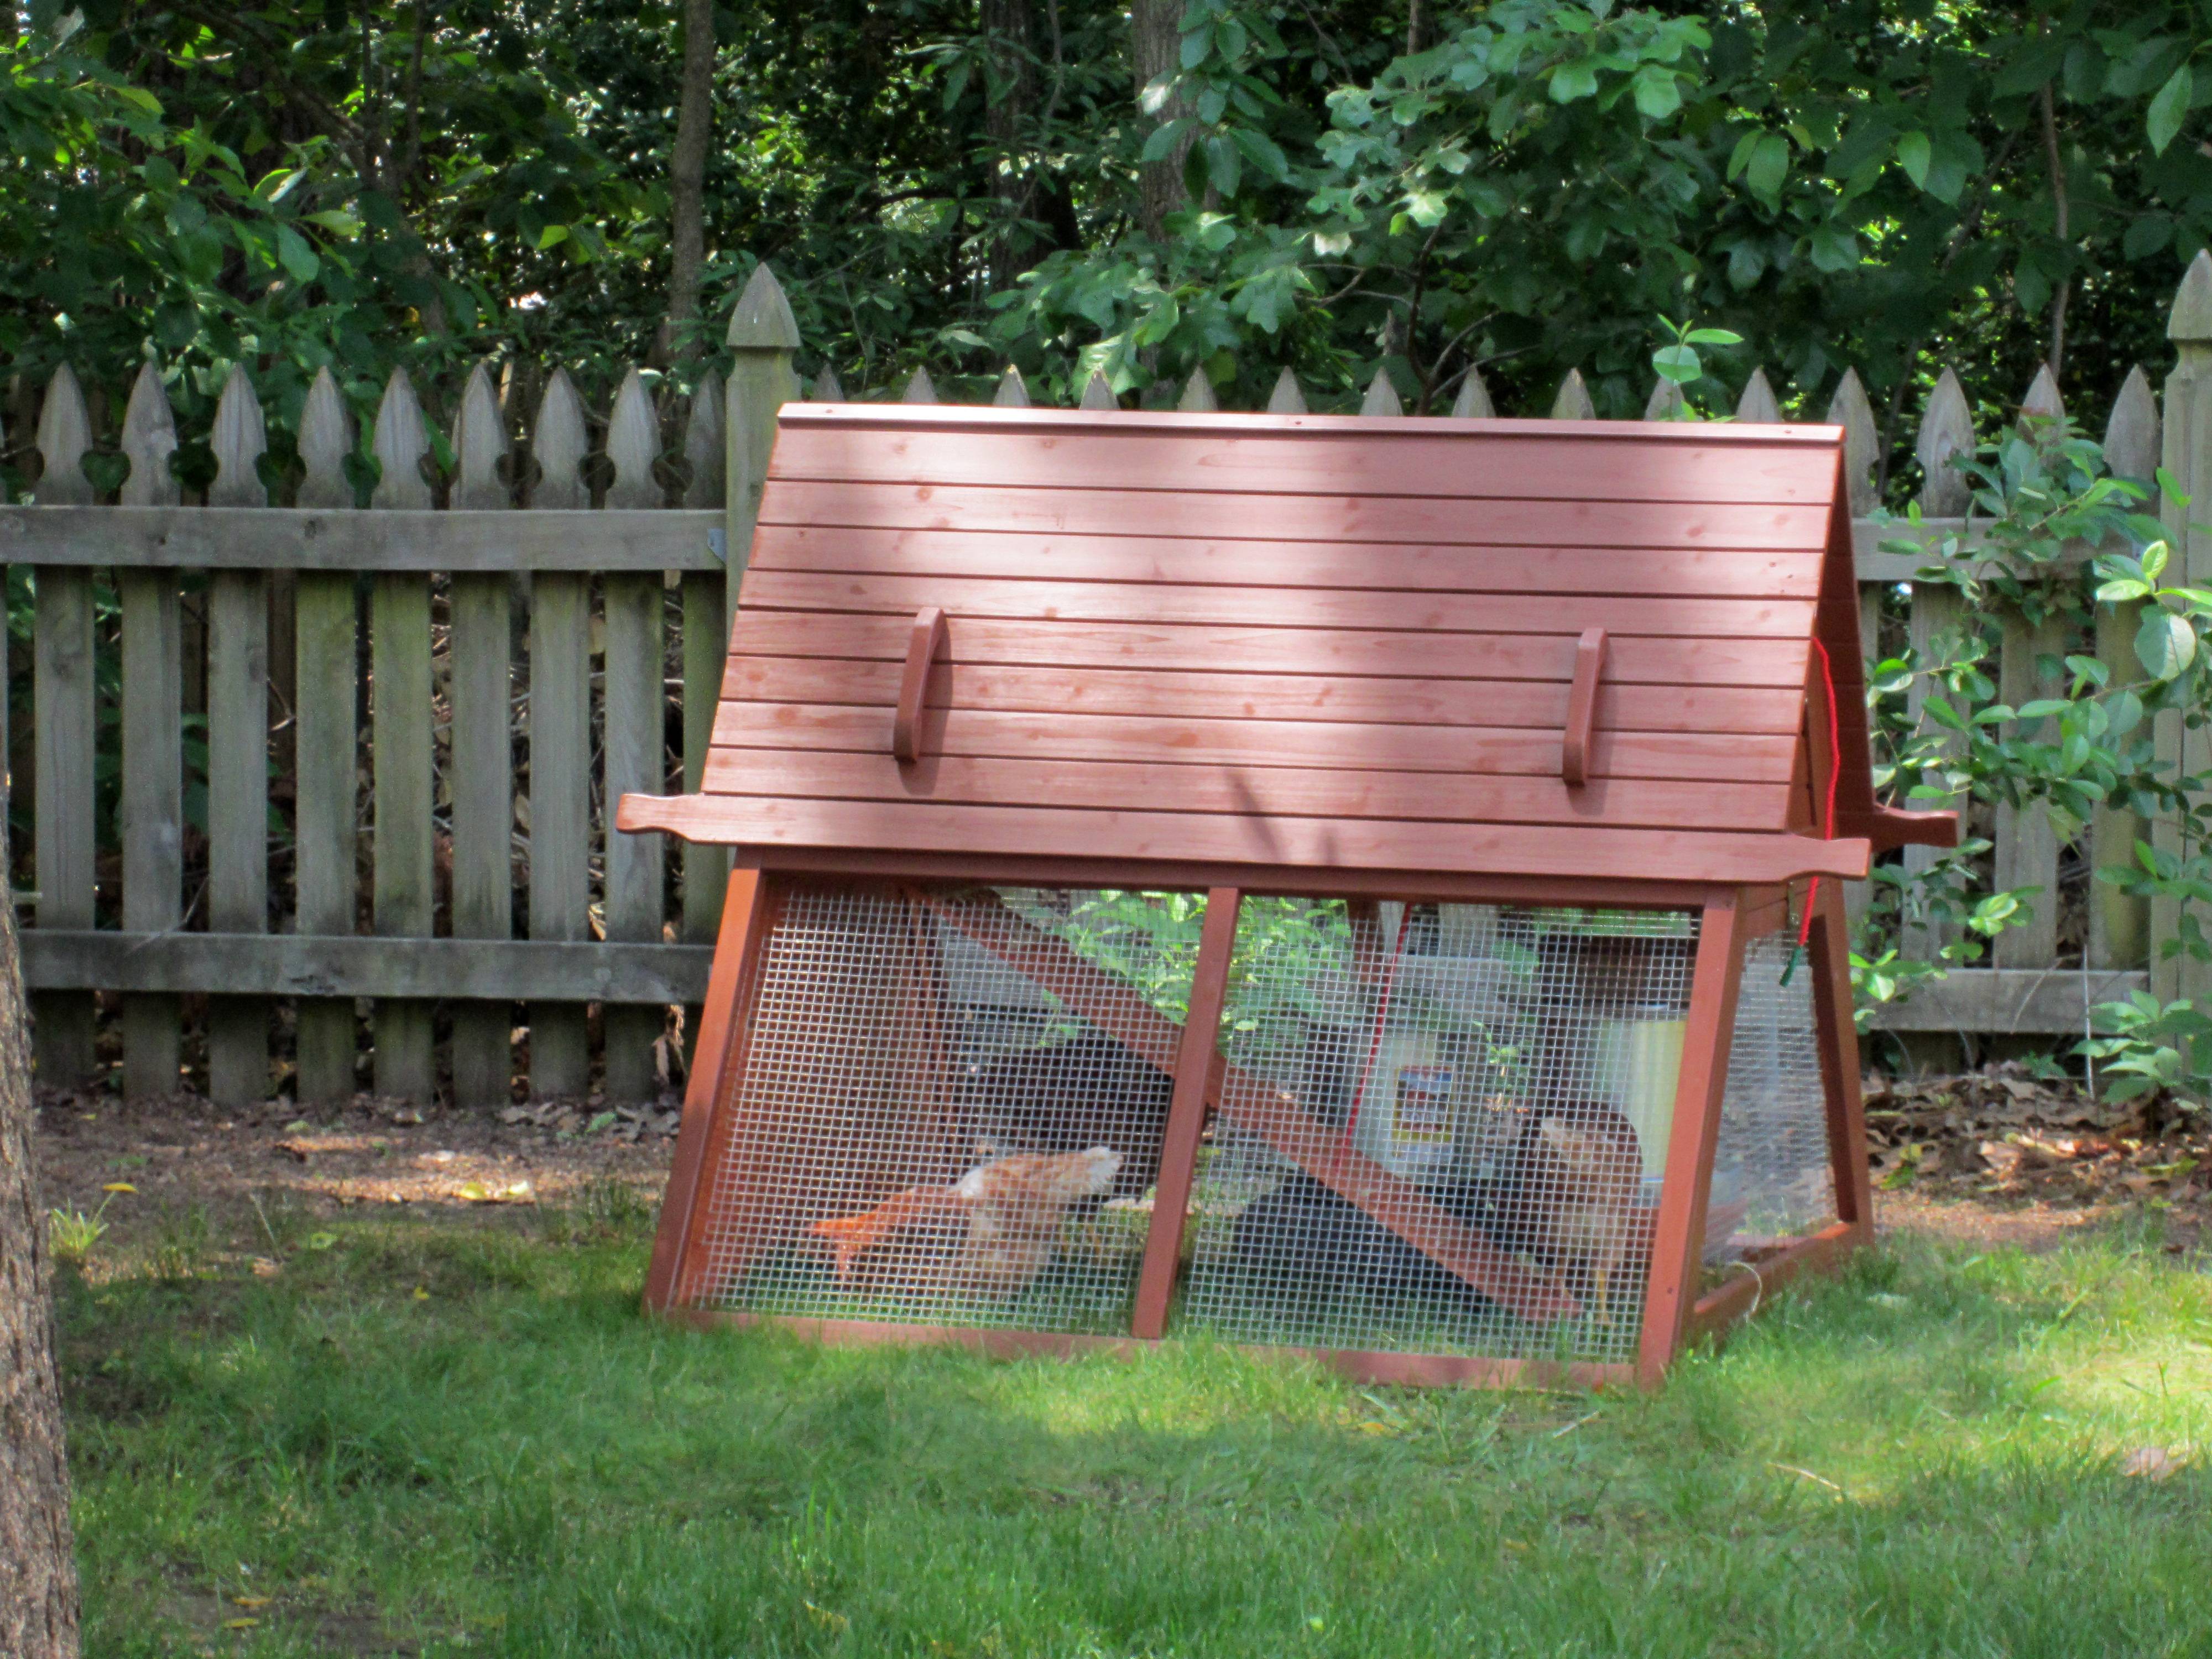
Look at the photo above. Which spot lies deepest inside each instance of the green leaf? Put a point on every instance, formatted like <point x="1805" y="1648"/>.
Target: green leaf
<point x="1913" y="154"/>
<point x="2166" y="645"/>
<point x="2120" y="592"/>
<point x="2167" y="110"/>
<point x="552" y="236"/>
<point x="1768" y="167"/>
<point x="1658" y="93"/>
<point x="1571" y="81"/>
<point x="1678" y="363"/>
<point x="1713" y="337"/>
<point x="1834" y="249"/>
<point x="2154" y="559"/>
<point x="299" y="259"/>
<point x="1161" y="142"/>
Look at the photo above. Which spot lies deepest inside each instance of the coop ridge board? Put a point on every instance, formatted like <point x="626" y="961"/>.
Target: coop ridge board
<point x="1326" y="643"/>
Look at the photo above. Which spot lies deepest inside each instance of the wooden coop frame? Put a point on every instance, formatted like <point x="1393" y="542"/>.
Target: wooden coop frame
<point x="1423" y="662"/>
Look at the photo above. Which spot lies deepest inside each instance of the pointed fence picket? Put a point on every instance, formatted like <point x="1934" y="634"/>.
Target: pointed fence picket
<point x="538" y="624"/>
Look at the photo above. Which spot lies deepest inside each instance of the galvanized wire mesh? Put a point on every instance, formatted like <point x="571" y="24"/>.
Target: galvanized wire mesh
<point x="1510" y="1070"/>
<point x="1442" y="1129"/>
<point x="1772" y="1177"/>
<point x="924" y="1132"/>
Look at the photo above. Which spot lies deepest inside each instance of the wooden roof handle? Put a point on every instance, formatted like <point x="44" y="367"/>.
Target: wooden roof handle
<point x="1581" y="709"/>
<point x="922" y="647"/>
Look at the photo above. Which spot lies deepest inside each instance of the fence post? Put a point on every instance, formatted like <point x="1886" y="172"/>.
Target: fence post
<point x="2188" y="451"/>
<point x="1573" y="403"/>
<point x="399" y="723"/>
<point x="152" y="830"/>
<point x="326" y="642"/>
<point x="480" y="780"/>
<point x="2119" y="921"/>
<point x="63" y="839"/>
<point x="633" y="702"/>
<point x="238" y="752"/>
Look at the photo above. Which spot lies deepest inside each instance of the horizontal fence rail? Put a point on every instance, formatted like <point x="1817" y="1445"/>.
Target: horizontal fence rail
<point x="368" y="753"/>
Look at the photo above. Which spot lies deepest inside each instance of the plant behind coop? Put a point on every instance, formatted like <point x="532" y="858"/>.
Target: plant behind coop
<point x="1330" y="884"/>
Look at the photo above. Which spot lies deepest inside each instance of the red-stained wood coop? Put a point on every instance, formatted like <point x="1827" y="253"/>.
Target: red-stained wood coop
<point x="1333" y="883"/>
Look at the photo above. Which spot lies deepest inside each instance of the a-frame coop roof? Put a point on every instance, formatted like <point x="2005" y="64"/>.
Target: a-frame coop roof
<point x="1300" y="643"/>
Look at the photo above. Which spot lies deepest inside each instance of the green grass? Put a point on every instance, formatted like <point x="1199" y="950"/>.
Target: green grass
<point x="1918" y="1460"/>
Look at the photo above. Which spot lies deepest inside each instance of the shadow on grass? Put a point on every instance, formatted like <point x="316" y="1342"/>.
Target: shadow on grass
<point x="473" y="1432"/>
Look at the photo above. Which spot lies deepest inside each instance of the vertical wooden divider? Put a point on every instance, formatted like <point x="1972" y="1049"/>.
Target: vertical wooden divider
<point x="325" y="635"/>
<point x="238" y="752"/>
<point x="560" y="744"/>
<point x="64" y="731"/>
<point x="400" y="715"/>
<point x="633" y="700"/>
<point x="152" y="830"/>
<point x="748" y="915"/>
<point x="1678" y="1237"/>
<point x="1179" y="1143"/>
<point x="481" y="771"/>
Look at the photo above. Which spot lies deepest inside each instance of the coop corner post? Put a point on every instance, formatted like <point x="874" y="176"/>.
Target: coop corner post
<point x="1839" y="1064"/>
<point x="747" y="909"/>
<point x="1201" y="1036"/>
<point x="1678" y="1237"/>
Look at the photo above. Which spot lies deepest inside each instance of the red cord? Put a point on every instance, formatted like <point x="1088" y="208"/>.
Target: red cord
<point x="1835" y="776"/>
<point x="1381" y="1015"/>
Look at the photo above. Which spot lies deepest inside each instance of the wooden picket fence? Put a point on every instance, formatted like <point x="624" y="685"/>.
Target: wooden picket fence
<point x="470" y="632"/>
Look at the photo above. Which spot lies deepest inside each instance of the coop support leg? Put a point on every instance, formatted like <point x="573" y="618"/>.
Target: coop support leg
<point x="1201" y="1036"/>
<point x="747" y="913"/>
<point x="1837" y="1036"/>
<point x="1678" y="1239"/>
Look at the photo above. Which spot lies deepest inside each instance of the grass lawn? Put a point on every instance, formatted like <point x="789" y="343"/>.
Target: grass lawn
<point x="433" y="1435"/>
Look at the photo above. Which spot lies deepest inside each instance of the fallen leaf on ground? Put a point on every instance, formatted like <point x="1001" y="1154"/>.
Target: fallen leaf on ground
<point x="2151" y="1463"/>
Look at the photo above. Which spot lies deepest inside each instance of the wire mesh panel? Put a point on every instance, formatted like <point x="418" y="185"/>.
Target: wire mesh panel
<point x="1503" y="1078"/>
<point x="1772" y="1179"/>
<point x="950" y="1107"/>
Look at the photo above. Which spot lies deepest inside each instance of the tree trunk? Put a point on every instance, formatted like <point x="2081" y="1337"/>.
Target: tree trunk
<point x="687" y="184"/>
<point x="1156" y="43"/>
<point x="1009" y="33"/>
<point x="38" y="1564"/>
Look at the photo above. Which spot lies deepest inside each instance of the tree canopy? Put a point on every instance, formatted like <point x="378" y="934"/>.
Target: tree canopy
<point x="1518" y="188"/>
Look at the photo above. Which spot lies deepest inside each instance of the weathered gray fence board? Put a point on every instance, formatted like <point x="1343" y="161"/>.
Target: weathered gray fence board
<point x="325" y="635"/>
<point x="480" y="781"/>
<point x="63" y="838"/>
<point x="2043" y="1002"/>
<point x="238" y="753"/>
<point x="153" y="804"/>
<point x="301" y="538"/>
<point x="400" y="734"/>
<point x="347" y="966"/>
<point x="560" y="744"/>
<point x="633" y="702"/>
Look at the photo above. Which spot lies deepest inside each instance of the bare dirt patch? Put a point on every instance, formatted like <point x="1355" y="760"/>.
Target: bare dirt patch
<point x="184" y="1152"/>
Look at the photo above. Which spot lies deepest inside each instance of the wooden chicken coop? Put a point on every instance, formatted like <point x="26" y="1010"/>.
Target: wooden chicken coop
<point x="1335" y="884"/>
